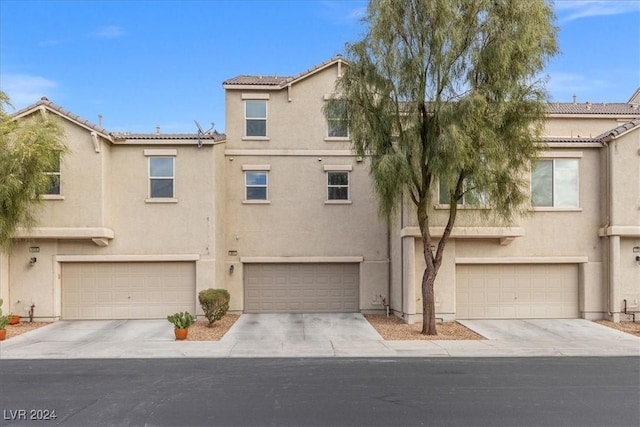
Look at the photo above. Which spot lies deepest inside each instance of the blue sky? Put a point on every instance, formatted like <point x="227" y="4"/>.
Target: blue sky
<point x="145" y="63"/>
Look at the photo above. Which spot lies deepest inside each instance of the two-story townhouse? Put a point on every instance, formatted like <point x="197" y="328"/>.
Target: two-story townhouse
<point x="282" y="214"/>
<point x="129" y="231"/>
<point x="302" y="232"/>
<point x="574" y="255"/>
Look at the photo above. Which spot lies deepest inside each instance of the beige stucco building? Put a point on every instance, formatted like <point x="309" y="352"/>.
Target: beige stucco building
<point x="281" y="213"/>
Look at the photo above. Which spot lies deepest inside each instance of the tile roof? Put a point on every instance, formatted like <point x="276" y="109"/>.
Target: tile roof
<point x="215" y="136"/>
<point x="258" y="80"/>
<point x="613" y="133"/>
<point x="280" y="81"/>
<point x="44" y="102"/>
<point x="616" y="108"/>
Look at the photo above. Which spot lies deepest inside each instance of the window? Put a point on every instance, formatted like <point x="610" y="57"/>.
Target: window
<point x="337" y="126"/>
<point x="471" y="197"/>
<point x="554" y="183"/>
<point x="161" y="177"/>
<point x="338" y="185"/>
<point x="255" y="112"/>
<point x="256" y="185"/>
<point x="54" y="176"/>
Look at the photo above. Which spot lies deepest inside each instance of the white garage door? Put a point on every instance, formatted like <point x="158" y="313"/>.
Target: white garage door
<point x="301" y="288"/>
<point x="127" y="290"/>
<point x="516" y="291"/>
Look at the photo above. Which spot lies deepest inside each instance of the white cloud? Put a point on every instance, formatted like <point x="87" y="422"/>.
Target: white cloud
<point x="344" y="12"/>
<point x="108" y="32"/>
<point x="25" y="89"/>
<point x="570" y="10"/>
<point x="562" y="86"/>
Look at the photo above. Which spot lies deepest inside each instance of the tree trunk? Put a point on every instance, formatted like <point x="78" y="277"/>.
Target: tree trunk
<point x="428" y="303"/>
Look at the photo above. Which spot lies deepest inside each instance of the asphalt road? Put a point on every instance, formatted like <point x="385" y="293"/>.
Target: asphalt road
<point x="322" y="392"/>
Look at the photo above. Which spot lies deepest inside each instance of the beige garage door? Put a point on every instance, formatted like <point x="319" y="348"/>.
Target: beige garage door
<point x="516" y="291"/>
<point x="127" y="290"/>
<point x="301" y="288"/>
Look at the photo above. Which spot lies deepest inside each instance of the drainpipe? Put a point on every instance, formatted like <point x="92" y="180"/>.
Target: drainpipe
<point x="401" y="256"/>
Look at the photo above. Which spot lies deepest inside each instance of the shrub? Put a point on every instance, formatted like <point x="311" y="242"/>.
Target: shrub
<point x="214" y="303"/>
<point x="181" y="320"/>
<point x="4" y="320"/>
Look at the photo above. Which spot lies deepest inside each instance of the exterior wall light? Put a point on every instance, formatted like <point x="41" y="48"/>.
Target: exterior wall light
<point x="32" y="261"/>
<point x="231" y="268"/>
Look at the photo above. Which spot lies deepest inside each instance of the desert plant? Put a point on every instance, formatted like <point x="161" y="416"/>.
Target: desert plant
<point x="214" y="303"/>
<point x="4" y="320"/>
<point x="181" y="320"/>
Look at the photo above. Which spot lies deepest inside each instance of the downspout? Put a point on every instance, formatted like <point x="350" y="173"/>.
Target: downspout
<point x="401" y="257"/>
<point x="608" y="222"/>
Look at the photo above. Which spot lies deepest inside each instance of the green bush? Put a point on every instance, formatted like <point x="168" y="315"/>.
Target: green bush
<point x="4" y="320"/>
<point x="214" y="303"/>
<point x="181" y="320"/>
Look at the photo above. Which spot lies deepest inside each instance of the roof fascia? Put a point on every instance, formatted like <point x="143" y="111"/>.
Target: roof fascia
<point x="42" y="107"/>
<point x="252" y="87"/>
<point x="314" y="71"/>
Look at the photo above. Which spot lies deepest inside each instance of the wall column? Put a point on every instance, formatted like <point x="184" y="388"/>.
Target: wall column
<point x="614" y="278"/>
<point x="409" y="279"/>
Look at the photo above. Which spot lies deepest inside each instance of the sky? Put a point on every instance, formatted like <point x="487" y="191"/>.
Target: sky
<point x="142" y="64"/>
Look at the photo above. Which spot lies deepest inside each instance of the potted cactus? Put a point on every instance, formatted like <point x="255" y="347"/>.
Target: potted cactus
<point x="181" y="322"/>
<point x="4" y="321"/>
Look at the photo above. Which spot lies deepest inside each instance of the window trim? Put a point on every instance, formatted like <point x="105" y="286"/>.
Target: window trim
<point x="256" y="169"/>
<point x="556" y="157"/>
<point x="161" y="154"/>
<point x="58" y="195"/>
<point x="460" y="206"/>
<point x="246" y="136"/>
<point x="345" y="170"/>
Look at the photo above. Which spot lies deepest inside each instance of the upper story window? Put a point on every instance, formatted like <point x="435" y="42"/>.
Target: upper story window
<point x="338" y="185"/>
<point x="55" y="179"/>
<point x="256" y="185"/>
<point x="337" y="125"/>
<point x="255" y="113"/>
<point x="161" y="177"/>
<point x="554" y="183"/>
<point x="470" y="198"/>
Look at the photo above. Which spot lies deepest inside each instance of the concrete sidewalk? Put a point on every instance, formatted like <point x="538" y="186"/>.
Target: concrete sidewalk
<point x="314" y="336"/>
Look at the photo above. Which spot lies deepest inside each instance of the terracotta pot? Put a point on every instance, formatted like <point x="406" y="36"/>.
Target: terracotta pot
<point x="181" y="334"/>
<point x="3" y="334"/>
<point x="14" y="319"/>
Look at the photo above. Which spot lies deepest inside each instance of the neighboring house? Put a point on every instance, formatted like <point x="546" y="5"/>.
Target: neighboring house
<point x="130" y="231"/>
<point x="283" y="215"/>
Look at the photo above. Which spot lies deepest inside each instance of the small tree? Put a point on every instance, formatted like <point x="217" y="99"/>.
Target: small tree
<point x="214" y="303"/>
<point x="447" y="92"/>
<point x="29" y="147"/>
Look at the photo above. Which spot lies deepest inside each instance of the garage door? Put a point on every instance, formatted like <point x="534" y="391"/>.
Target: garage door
<point x="127" y="290"/>
<point x="301" y="288"/>
<point x="516" y="291"/>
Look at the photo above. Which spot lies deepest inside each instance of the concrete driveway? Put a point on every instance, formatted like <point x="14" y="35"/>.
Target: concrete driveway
<point x="314" y="335"/>
<point x="302" y="327"/>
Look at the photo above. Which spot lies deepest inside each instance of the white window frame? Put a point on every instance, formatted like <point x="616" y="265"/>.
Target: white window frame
<point x="247" y="200"/>
<point x="329" y="169"/>
<point x="464" y="205"/>
<point x="161" y="154"/>
<point x="554" y="203"/>
<point x="49" y="195"/>
<point x="265" y="119"/>
<point x="330" y="137"/>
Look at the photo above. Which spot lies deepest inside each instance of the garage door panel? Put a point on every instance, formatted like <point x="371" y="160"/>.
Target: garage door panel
<point x="516" y="291"/>
<point x="294" y="288"/>
<point x="141" y="290"/>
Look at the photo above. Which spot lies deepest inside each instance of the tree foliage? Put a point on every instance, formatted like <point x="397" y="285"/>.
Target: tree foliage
<point x="447" y="91"/>
<point x="29" y="147"/>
